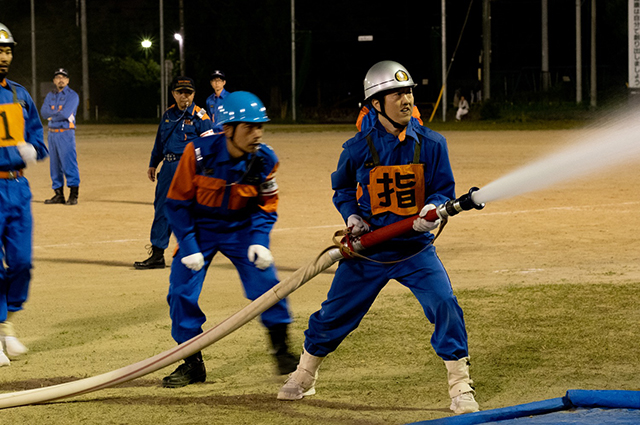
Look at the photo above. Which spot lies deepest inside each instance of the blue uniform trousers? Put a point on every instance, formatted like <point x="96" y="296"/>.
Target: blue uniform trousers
<point x="160" y="231"/>
<point x="16" y="236"/>
<point x="185" y="285"/>
<point x="356" y="285"/>
<point x="63" y="159"/>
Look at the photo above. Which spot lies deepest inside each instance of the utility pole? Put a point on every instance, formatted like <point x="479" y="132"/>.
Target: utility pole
<point x="578" y="52"/>
<point x="182" y="64"/>
<point x="443" y="7"/>
<point x="293" y="60"/>
<point x="163" y="87"/>
<point x="545" y="47"/>
<point x="34" y="86"/>
<point x="486" y="50"/>
<point x="594" y="90"/>
<point x="85" y="61"/>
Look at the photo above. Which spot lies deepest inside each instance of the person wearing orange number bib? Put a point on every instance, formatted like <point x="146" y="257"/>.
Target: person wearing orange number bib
<point x="21" y="145"/>
<point x="392" y="169"/>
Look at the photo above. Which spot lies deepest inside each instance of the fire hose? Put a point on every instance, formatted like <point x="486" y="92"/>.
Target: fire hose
<point x="327" y="258"/>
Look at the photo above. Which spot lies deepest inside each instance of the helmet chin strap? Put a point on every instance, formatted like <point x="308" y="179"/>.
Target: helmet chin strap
<point x="233" y="142"/>
<point x="384" y="114"/>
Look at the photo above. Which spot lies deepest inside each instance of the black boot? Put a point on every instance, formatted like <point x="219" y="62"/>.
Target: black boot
<point x="189" y="372"/>
<point x="155" y="261"/>
<point x="73" y="196"/>
<point x="285" y="361"/>
<point x="58" y="198"/>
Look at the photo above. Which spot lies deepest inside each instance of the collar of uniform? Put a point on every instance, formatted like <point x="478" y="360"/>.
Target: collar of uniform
<point x="178" y="112"/>
<point x="409" y="130"/>
<point x="223" y="94"/>
<point x="238" y="164"/>
<point x="4" y="83"/>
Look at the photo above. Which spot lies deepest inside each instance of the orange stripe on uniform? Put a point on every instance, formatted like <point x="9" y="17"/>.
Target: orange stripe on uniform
<point x="240" y="195"/>
<point x="210" y="191"/>
<point x="269" y="203"/>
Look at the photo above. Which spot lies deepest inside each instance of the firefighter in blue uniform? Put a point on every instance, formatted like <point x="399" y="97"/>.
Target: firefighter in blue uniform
<point x="180" y="124"/>
<point x="21" y="144"/>
<point x="218" y="80"/>
<point x="59" y="108"/>
<point x="223" y="198"/>
<point x="392" y="169"/>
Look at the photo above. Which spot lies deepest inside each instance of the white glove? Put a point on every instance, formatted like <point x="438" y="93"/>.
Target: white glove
<point x="422" y="225"/>
<point x="194" y="261"/>
<point x="357" y="225"/>
<point x="260" y="256"/>
<point x="28" y="153"/>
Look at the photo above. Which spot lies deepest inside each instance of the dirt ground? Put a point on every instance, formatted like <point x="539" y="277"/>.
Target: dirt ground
<point x="90" y="312"/>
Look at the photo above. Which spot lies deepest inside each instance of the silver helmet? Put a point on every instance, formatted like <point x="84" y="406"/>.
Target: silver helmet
<point x="5" y="35"/>
<point x="384" y="76"/>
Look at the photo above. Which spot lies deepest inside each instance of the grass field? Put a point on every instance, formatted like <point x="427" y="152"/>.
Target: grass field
<point x="548" y="281"/>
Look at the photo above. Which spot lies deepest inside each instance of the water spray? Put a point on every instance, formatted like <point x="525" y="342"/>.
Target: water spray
<point x="613" y="144"/>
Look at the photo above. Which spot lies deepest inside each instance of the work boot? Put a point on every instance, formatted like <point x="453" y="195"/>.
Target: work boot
<point x="460" y="386"/>
<point x="58" y="198"/>
<point x="155" y="261"/>
<point x="73" y="195"/>
<point x="189" y="372"/>
<point x="301" y="383"/>
<point x="10" y="343"/>
<point x="4" y="360"/>
<point x="286" y="362"/>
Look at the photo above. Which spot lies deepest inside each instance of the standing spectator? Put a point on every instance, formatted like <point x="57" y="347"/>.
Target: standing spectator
<point x="217" y="81"/>
<point x="22" y="143"/>
<point x="392" y="169"/>
<point x="223" y="198"/>
<point x="180" y="124"/>
<point x="59" y="108"/>
<point x="463" y="108"/>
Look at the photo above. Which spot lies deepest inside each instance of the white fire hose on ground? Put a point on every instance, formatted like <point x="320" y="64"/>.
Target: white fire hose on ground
<point x="301" y="276"/>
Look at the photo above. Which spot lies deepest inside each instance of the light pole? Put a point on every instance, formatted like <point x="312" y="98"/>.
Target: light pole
<point x="180" y="39"/>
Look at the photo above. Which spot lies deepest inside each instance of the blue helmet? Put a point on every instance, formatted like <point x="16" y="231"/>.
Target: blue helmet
<point x="241" y="106"/>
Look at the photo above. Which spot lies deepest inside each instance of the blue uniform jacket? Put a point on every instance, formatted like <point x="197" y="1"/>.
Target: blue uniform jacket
<point x="10" y="159"/>
<point x="176" y="129"/>
<point x="355" y="163"/>
<point x="213" y="193"/>
<point x="213" y="102"/>
<point x="60" y="108"/>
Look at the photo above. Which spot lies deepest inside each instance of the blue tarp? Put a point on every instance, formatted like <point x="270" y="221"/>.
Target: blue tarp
<point x="583" y="407"/>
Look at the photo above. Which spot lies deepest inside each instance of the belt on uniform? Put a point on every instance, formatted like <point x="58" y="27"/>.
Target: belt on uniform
<point x="59" y="130"/>
<point x="172" y="157"/>
<point x="11" y="175"/>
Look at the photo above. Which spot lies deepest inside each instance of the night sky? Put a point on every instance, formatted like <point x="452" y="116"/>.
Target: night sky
<point x="251" y="42"/>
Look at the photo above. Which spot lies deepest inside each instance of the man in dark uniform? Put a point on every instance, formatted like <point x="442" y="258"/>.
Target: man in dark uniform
<point x="181" y="123"/>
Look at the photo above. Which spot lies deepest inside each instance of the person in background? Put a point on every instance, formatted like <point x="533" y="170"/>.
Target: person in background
<point x="59" y="109"/>
<point x="224" y="198"/>
<point x="463" y="108"/>
<point x="21" y="145"/>
<point x="392" y="169"/>
<point x="181" y="123"/>
<point x="218" y="80"/>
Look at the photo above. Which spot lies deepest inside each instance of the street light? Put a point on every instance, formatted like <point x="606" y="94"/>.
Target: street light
<point x="178" y="37"/>
<point x="146" y="45"/>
